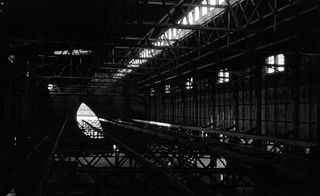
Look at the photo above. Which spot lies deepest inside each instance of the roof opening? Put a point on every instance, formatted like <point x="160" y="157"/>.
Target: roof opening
<point x="89" y="123"/>
<point x="75" y="52"/>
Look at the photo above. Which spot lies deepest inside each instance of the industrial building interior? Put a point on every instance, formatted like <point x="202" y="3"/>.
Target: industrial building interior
<point x="160" y="97"/>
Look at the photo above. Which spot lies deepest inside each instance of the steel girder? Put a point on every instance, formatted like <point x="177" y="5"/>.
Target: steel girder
<point x="130" y="160"/>
<point x="298" y="169"/>
<point x="269" y="16"/>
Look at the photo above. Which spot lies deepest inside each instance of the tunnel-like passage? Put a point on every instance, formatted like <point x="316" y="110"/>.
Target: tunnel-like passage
<point x="88" y="122"/>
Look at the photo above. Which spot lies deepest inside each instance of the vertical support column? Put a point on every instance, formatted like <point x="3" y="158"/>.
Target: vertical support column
<point x="317" y="86"/>
<point x="196" y="105"/>
<point x="4" y="78"/>
<point x="147" y="111"/>
<point x="172" y="104"/>
<point x="294" y="68"/>
<point x="48" y="165"/>
<point x="155" y="105"/>
<point x="127" y="103"/>
<point x="235" y="96"/>
<point x="212" y="83"/>
<point x="183" y="99"/>
<point x="258" y="86"/>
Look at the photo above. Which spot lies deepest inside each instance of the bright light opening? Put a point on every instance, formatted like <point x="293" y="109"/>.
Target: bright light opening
<point x="153" y="123"/>
<point x="185" y="21"/>
<point x="174" y="32"/>
<point x="189" y="83"/>
<point x="50" y="87"/>
<point x="190" y="17"/>
<point x="212" y="2"/>
<point x="167" y="89"/>
<point x="204" y="10"/>
<point x="12" y="59"/>
<point x="221" y="163"/>
<point x="223" y="76"/>
<point x="89" y="123"/>
<point x="196" y="13"/>
<point x="75" y="52"/>
<point x="152" y="91"/>
<point x="197" y="16"/>
<point x="275" y="64"/>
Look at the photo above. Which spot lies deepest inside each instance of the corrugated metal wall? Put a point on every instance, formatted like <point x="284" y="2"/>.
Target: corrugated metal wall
<point x="284" y="104"/>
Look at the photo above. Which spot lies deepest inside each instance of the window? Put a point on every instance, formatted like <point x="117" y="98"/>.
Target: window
<point x="135" y="63"/>
<point x="221" y="163"/>
<point x="170" y="34"/>
<point x="196" y="14"/>
<point x="204" y="10"/>
<point x="167" y="89"/>
<point x="152" y="91"/>
<point x="212" y="2"/>
<point x="190" y="17"/>
<point x="185" y="21"/>
<point x="272" y="147"/>
<point x="275" y="64"/>
<point x="166" y="35"/>
<point x="162" y="40"/>
<point x="75" y="52"/>
<point x="223" y="76"/>
<point x="179" y="30"/>
<point x="50" y="87"/>
<point x="174" y="32"/>
<point x="122" y="71"/>
<point x="270" y="60"/>
<point x="115" y="148"/>
<point x="12" y="59"/>
<point x="189" y="83"/>
<point x="280" y="59"/>
<point x="118" y="75"/>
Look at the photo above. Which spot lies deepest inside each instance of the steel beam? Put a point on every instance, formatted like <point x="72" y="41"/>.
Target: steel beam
<point x="167" y="3"/>
<point x="190" y="27"/>
<point x="258" y="161"/>
<point x="50" y="159"/>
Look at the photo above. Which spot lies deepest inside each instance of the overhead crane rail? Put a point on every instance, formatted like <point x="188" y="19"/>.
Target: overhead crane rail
<point x="267" y="143"/>
<point x="284" y="156"/>
<point x="227" y="132"/>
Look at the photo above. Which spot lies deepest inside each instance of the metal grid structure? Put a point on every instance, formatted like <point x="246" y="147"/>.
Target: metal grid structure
<point x="230" y="101"/>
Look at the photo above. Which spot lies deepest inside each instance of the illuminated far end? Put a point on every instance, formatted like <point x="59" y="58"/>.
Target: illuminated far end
<point x="89" y="123"/>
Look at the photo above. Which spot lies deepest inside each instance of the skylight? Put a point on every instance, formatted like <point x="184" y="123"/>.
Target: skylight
<point x="73" y="52"/>
<point x="196" y="13"/>
<point x="89" y="123"/>
<point x="196" y="16"/>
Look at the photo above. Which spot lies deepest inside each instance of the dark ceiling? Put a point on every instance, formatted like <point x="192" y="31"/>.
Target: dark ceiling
<point x="84" y="23"/>
<point x="117" y="30"/>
